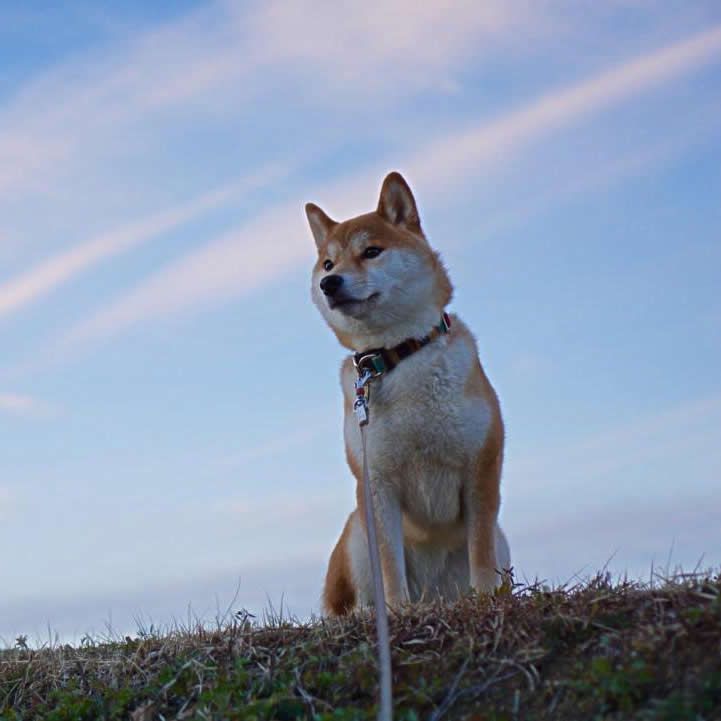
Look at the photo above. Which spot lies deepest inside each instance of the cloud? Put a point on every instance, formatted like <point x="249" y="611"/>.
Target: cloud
<point x="585" y="173"/>
<point x="630" y="537"/>
<point x="385" y="45"/>
<point x="62" y="111"/>
<point x="65" y="128"/>
<point x="204" y="533"/>
<point x="41" y="280"/>
<point x="631" y="490"/>
<point x="295" y="583"/>
<point x="460" y="155"/>
<point x="217" y="58"/>
<point x="218" y="548"/>
<point x="26" y="406"/>
<point x="245" y="259"/>
<point x="626" y="447"/>
<point x="234" y="264"/>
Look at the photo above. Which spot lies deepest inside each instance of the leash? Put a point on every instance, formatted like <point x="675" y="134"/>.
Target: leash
<point x="370" y="365"/>
<point x="360" y="407"/>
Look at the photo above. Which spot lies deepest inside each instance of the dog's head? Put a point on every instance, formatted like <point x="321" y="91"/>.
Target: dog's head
<point x="377" y="281"/>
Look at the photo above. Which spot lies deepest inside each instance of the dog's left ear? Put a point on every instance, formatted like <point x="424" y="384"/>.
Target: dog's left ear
<point x="397" y="204"/>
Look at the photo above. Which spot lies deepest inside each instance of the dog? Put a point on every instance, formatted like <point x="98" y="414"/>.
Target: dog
<point x="435" y="436"/>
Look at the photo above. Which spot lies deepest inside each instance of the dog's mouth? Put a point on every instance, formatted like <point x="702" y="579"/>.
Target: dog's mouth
<point x="347" y="304"/>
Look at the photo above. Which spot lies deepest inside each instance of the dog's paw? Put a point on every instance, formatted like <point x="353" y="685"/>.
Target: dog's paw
<point x="486" y="580"/>
<point x="397" y="600"/>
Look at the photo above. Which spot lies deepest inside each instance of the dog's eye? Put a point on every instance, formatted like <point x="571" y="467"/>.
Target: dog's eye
<point x="328" y="265"/>
<point x="372" y="252"/>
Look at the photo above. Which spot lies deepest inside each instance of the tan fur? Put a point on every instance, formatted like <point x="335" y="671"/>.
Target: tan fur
<point x="339" y="595"/>
<point x="448" y="532"/>
<point x="339" y="249"/>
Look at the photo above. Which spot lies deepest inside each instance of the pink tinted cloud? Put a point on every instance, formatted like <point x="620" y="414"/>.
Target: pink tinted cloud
<point x="25" y="406"/>
<point x="243" y="260"/>
<point x="60" y="269"/>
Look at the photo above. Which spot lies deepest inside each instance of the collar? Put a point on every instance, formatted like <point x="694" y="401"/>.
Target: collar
<point x="383" y="360"/>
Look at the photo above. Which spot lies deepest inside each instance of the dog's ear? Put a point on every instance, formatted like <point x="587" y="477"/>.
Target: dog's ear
<point x="397" y="205"/>
<point x="320" y="224"/>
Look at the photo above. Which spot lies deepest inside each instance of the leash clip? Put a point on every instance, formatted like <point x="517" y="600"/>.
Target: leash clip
<point x="362" y="396"/>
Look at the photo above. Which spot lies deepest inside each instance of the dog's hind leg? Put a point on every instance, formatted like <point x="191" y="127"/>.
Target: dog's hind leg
<point x="348" y="582"/>
<point x="339" y="594"/>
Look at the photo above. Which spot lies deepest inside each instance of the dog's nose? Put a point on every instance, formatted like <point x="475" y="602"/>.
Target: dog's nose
<point x="330" y="284"/>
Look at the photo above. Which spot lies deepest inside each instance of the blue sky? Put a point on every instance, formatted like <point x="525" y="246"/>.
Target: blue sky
<point x="169" y="404"/>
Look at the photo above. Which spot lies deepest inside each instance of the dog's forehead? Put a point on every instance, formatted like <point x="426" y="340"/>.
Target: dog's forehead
<point x="354" y="234"/>
<point x="354" y="242"/>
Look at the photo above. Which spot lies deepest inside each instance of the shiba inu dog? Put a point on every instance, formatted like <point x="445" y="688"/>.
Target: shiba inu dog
<point x="435" y="437"/>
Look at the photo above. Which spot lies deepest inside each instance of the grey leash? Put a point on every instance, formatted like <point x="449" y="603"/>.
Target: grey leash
<point x="360" y="407"/>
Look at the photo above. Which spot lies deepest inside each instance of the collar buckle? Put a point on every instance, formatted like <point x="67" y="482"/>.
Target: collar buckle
<point x="371" y="362"/>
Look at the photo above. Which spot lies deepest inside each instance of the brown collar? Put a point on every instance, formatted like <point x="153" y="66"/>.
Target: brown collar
<point x="383" y="360"/>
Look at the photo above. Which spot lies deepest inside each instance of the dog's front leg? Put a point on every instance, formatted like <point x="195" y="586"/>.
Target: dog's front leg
<point x="481" y="504"/>
<point x="389" y="525"/>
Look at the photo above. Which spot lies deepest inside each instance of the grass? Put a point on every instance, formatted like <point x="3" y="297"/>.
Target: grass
<point x="599" y="650"/>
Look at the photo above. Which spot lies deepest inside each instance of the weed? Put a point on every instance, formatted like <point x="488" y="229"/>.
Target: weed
<point x="598" y="651"/>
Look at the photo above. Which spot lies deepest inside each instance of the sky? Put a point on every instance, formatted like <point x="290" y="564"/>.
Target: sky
<point x="170" y="412"/>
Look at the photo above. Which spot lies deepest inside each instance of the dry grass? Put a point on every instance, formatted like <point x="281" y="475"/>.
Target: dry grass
<point x="595" y="651"/>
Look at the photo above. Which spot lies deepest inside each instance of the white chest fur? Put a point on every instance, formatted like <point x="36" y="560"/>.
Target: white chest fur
<point x="425" y="431"/>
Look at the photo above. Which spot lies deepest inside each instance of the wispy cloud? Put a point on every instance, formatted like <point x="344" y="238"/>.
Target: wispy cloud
<point x="232" y="265"/>
<point x="648" y="459"/>
<point x="62" y="268"/>
<point x="23" y="405"/>
<point x="61" y="112"/>
<point x="631" y="490"/>
<point x="243" y="260"/>
<point x="292" y="583"/>
<point x="632" y="537"/>
<point x="223" y="55"/>
<point x="462" y="153"/>
<point x="397" y="45"/>
<point x="592" y="171"/>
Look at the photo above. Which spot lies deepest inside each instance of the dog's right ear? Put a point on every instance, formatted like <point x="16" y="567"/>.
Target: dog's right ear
<point x="320" y="224"/>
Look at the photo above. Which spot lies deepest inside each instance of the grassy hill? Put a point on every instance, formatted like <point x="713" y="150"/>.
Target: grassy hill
<point x="595" y="651"/>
